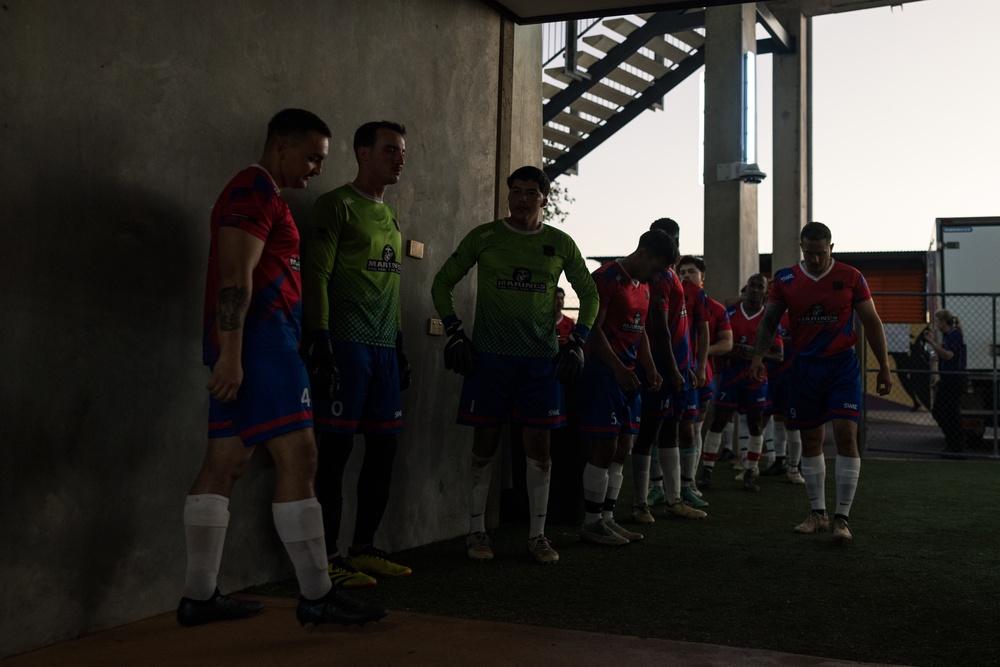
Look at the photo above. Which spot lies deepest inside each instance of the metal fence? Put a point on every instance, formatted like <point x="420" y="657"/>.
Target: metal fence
<point x="926" y="402"/>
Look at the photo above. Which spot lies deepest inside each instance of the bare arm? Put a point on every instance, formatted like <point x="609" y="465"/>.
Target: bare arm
<point x="600" y="346"/>
<point x="723" y="345"/>
<point x="875" y="335"/>
<point x="239" y="252"/>
<point x="659" y="321"/>
<point x="765" y="336"/>
<point x="645" y="359"/>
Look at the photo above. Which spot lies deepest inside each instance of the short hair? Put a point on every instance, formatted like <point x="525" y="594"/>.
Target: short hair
<point x="366" y="135"/>
<point x="698" y="262"/>
<point x="295" y="124"/>
<point x="668" y="225"/>
<point x="757" y="275"/>
<point x="815" y="231"/>
<point x="659" y="244"/>
<point x="560" y="290"/>
<point x="530" y="173"/>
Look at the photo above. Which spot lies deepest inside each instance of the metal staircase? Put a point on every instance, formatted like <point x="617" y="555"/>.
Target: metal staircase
<point x="604" y="73"/>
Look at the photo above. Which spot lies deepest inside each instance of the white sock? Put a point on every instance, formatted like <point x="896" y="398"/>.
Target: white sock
<point x="689" y="464"/>
<point x="206" y="517"/>
<point x="794" y="448"/>
<point x="595" y="488"/>
<point x="727" y="435"/>
<point x="755" y="444"/>
<point x="615" y="478"/>
<point x="846" y="474"/>
<point x="300" y="527"/>
<point x="478" y="493"/>
<point x="655" y="471"/>
<point x="537" y="476"/>
<point x="640" y="477"/>
<point x="670" y="460"/>
<point x="712" y="443"/>
<point x="698" y="445"/>
<point x="814" y="472"/>
<point x="780" y="438"/>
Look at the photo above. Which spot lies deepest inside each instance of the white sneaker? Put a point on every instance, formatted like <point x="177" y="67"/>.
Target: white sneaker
<point x="795" y="477"/>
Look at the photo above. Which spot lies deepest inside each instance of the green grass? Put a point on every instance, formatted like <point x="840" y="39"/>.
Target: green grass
<point x="920" y="585"/>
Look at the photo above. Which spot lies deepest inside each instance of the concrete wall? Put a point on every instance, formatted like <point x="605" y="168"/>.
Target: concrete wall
<point x="121" y="122"/>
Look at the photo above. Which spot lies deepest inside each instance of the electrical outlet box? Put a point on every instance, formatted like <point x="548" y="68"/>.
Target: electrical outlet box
<point x="415" y="249"/>
<point x="435" y="327"/>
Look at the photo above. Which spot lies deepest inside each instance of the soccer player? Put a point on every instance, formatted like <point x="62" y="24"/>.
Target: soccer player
<point x="352" y="320"/>
<point x="691" y="269"/>
<point x="676" y="403"/>
<point x="508" y="364"/>
<point x="737" y="392"/>
<point x="610" y="391"/>
<point x="259" y="389"/>
<point x="821" y="296"/>
<point x="564" y="323"/>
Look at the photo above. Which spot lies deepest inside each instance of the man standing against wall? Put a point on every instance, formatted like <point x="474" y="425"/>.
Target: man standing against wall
<point x="821" y="296"/>
<point x="513" y="364"/>
<point x="354" y="333"/>
<point x="259" y="390"/>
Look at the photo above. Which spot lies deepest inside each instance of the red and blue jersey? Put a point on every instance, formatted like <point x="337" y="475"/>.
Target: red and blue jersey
<point x="696" y="303"/>
<point x="626" y="303"/>
<point x="564" y="327"/>
<point x="820" y="309"/>
<point x="718" y="321"/>
<point x="668" y="294"/>
<point x="744" y="339"/>
<point x="252" y="202"/>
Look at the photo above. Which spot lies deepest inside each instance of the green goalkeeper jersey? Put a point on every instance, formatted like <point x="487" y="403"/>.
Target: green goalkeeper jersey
<point x="350" y="269"/>
<point x="517" y="276"/>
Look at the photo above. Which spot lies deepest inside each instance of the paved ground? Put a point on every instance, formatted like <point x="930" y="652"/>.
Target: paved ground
<point x="401" y="639"/>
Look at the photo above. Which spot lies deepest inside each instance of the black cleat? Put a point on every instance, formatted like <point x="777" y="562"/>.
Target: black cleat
<point x="776" y="468"/>
<point x="219" y="607"/>
<point x="335" y="607"/>
<point x="750" y="481"/>
<point x="725" y="455"/>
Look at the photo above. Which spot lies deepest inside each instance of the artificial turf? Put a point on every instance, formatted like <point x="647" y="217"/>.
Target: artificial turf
<point x="920" y="584"/>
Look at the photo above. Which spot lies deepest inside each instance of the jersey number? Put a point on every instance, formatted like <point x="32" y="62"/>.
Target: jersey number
<point x="306" y="398"/>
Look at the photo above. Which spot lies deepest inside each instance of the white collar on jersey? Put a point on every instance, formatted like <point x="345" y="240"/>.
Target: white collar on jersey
<point x="743" y="307"/>
<point x="268" y="175"/>
<point x="802" y="265"/>
<point x="366" y="196"/>
<point x="522" y="231"/>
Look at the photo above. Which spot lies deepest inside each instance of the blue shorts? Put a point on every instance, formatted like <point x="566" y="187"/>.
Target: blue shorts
<point x="738" y="393"/>
<point x="674" y="405"/>
<point x="274" y="399"/>
<point x="778" y="387"/>
<point x="604" y="409"/>
<point x="369" y="399"/>
<point x="523" y="388"/>
<point x="825" y="388"/>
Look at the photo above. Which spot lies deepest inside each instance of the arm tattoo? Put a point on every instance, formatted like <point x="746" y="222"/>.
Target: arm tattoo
<point x="768" y="325"/>
<point x="232" y="307"/>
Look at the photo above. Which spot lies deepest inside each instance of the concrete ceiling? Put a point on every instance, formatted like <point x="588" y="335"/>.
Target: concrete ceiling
<point x="534" y="11"/>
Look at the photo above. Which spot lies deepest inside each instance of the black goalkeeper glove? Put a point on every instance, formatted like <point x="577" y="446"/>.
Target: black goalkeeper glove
<point x="569" y="359"/>
<point x="405" y="372"/>
<point x="324" y="376"/>
<point x="459" y="354"/>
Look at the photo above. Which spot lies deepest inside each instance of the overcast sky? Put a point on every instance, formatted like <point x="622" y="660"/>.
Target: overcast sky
<point x="905" y="130"/>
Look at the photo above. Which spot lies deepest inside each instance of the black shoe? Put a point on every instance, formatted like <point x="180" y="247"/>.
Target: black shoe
<point x="776" y="468"/>
<point x="337" y="608"/>
<point x="750" y="481"/>
<point x="219" y="607"/>
<point x="725" y="455"/>
<point x="705" y="479"/>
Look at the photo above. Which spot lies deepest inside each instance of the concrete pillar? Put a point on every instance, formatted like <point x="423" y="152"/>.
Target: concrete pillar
<point x="792" y="147"/>
<point x="731" y="205"/>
